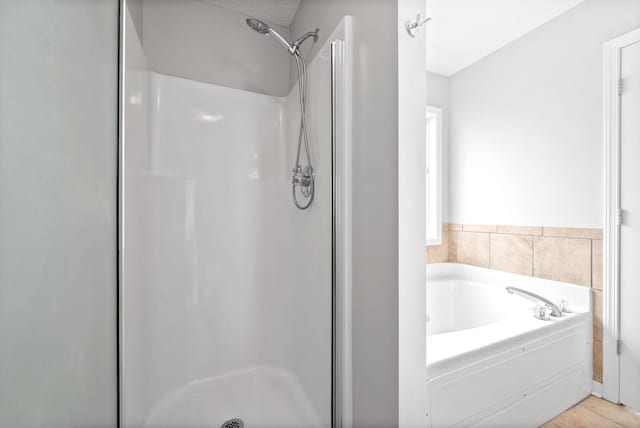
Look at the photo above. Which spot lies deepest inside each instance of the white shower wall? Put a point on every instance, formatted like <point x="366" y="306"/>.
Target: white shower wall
<point x="227" y="286"/>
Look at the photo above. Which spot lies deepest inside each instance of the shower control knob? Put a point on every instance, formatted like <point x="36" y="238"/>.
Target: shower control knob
<point x="301" y="179"/>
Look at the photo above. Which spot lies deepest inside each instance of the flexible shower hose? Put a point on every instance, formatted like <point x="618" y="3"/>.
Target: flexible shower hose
<point x="307" y="191"/>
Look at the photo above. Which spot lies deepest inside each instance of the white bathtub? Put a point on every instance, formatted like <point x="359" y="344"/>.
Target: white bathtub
<point x="490" y="362"/>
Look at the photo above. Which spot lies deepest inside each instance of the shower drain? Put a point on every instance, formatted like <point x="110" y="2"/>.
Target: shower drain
<point x="233" y="423"/>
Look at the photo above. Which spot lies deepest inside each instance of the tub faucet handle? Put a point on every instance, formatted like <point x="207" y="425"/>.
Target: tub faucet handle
<point x="563" y="305"/>
<point x="542" y="312"/>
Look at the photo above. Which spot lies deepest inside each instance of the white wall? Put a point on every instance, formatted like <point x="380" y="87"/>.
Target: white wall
<point x="527" y="123"/>
<point x="198" y="41"/>
<point x="412" y="91"/>
<point x="134" y="8"/>
<point x="438" y="90"/>
<point x="439" y="95"/>
<point x="58" y="207"/>
<point x="375" y="198"/>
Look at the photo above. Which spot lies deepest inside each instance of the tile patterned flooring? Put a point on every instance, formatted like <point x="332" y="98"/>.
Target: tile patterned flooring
<point x="594" y="412"/>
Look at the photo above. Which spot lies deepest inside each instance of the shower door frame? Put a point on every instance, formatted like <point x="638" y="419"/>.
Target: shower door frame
<point x="341" y="220"/>
<point x="122" y="24"/>
<point x="341" y="225"/>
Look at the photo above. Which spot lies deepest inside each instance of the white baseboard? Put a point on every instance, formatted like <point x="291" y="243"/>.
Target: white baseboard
<point x="596" y="389"/>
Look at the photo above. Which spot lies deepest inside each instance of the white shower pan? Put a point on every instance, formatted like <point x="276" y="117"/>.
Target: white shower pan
<point x="261" y="397"/>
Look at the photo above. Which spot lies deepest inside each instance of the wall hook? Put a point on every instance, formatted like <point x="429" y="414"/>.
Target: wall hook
<point x="412" y="27"/>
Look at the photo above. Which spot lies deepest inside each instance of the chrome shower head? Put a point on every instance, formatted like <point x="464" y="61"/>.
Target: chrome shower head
<point x="262" y="28"/>
<point x="259" y="26"/>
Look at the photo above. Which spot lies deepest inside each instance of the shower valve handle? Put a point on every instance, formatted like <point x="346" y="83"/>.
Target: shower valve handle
<point x="301" y="178"/>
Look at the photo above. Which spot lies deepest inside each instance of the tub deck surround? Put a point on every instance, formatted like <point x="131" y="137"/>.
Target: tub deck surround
<point x="579" y="297"/>
<point x="448" y="351"/>
<point x="570" y="255"/>
<point x="489" y="361"/>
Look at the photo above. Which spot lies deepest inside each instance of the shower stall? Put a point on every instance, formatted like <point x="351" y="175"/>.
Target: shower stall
<point x="234" y="221"/>
<point x="174" y="215"/>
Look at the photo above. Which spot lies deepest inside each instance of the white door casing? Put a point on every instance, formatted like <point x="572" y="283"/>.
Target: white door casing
<point x="630" y="226"/>
<point x="621" y="96"/>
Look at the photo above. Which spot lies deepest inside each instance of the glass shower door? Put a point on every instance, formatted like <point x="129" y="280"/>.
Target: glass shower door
<point x="228" y="288"/>
<point x="58" y="193"/>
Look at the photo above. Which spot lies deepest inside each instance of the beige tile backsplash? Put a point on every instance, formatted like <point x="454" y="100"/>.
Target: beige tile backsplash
<point x="597" y="335"/>
<point x="597" y="360"/>
<point x="572" y="232"/>
<point x="512" y="253"/>
<point x="520" y="230"/>
<point x="439" y="253"/>
<point x="562" y="259"/>
<point x="473" y="248"/>
<point x="453" y="245"/>
<point x="596" y="264"/>
<point x="572" y="255"/>
<point x="597" y="315"/>
<point x="479" y="228"/>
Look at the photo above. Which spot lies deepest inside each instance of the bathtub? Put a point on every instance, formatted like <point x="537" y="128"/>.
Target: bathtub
<point x="490" y="362"/>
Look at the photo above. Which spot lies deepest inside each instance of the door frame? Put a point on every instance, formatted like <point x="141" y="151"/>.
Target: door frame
<point x="612" y="214"/>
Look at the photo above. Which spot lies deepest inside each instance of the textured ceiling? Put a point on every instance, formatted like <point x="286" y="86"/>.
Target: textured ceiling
<point x="279" y="12"/>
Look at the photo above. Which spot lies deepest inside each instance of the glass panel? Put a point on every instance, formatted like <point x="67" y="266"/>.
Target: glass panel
<point x="58" y="170"/>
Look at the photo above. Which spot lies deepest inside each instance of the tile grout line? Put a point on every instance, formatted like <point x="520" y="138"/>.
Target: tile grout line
<point x="490" y="247"/>
<point x="532" y="252"/>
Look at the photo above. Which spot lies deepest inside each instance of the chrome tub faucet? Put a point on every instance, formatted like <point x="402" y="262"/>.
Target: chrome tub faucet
<point x="555" y="310"/>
